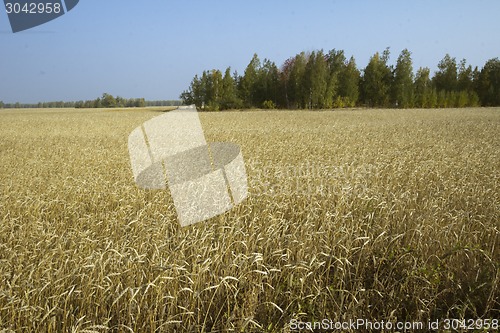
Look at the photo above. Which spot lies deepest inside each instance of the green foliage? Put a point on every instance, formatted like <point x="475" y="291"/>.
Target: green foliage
<point x="488" y="86"/>
<point x="377" y="79"/>
<point x="403" y="88"/>
<point x="105" y="101"/>
<point x="97" y="103"/>
<point x="205" y="93"/>
<point x="268" y="105"/>
<point x="108" y="101"/>
<point x="465" y="77"/>
<point x="249" y="82"/>
<point x="336" y="66"/>
<point x="229" y="99"/>
<point x="442" y="99"/>
<point x="343" y="102"/>
<point x="267" y="83"/>
<point x="462" y="99"/>
<point x="213" y="90"/>
<point x="423" y="89"/>
<point x="474" y="99"/>
<point x="446" y="77"/>
<point x="319" y="80"/>
<point x="316" y="81"/>
<point x="433" y="101"/>
<point x="349" y="82"/>
<point x="297" y="94"/>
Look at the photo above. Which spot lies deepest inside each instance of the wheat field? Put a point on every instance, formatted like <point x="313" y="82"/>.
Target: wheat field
<point x="375" y="214"/>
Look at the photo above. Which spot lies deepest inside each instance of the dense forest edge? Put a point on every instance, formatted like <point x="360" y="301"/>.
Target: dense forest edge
<point x="319" y="80"/>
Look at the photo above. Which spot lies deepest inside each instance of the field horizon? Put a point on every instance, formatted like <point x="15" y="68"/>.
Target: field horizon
<point x="377" y="214"/>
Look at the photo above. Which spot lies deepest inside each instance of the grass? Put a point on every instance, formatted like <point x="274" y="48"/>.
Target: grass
<point x="375" y="214"/>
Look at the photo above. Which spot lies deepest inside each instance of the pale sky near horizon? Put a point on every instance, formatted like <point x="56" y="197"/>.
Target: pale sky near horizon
<point x="153" y="48"/>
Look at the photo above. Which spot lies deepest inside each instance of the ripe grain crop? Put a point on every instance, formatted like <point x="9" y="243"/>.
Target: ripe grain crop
<point x="374" y="214"/>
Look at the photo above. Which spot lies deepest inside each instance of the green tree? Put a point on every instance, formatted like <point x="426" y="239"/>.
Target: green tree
<point x="108" y="101"/>
<point x="1" y="104"/>
<point x="140" y="102"/>
<point x="205" y="92"/>
<point x="403" y="88"/>
<point x="296" y="91"/>
<point x="315" y="81"/>
<point x="268" y="83"/>
<point x="467" y="95"/>
<point x="195" y="94"/>
<point x="121" y="102"/>
<point x="376" y="81"/>
<point x="423" y="89"/>
<point x="249" y="82"/>
<point x="433" y="103"/>
<point x="336" y="61"/>
<point x="287" y="84"/>
<point x="473" y="99"/>
<point x="348" y="87"/>
<point x="213" y="89"/>
<point x="97" y="103"/>
<point x="446" y="77"/>
<point x="465" y="77"/>
<point x="462" y="99"/>
<point x="488" y="85"/>
<point x="228" y="93"/>
<point x="187" y="96"/>
<point x="443" y="99"/>
<point x="204" y="89"/>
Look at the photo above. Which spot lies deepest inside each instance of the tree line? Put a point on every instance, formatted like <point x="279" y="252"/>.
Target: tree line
<point x="320" y="80"/>
<point x="105" y="101"/>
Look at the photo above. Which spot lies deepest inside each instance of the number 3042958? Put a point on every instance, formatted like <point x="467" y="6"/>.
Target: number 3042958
<point x="33" y="8"/>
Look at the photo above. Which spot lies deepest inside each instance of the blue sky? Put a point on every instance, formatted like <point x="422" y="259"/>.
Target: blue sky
<point x="153" y="48"/>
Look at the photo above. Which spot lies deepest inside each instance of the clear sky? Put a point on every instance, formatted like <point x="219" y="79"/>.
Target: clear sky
<point x="153" y="48"/>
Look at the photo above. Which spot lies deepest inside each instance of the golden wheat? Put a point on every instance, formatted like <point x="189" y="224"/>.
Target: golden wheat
<point x="375" y="214"/>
